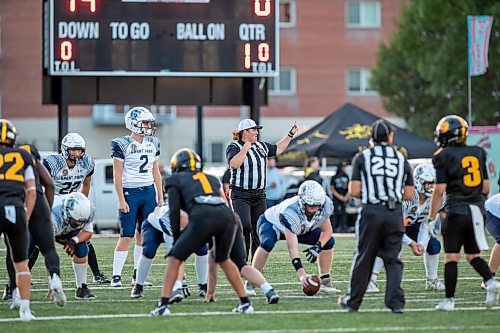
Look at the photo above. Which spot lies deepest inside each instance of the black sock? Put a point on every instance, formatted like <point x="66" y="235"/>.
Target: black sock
<point x="244" y="300"/>
<point x="164" y="301"/>
<point x="92" y="259"/>
<point x="450" y="278"/>
<point x="325" y="276"/>
<point x="481" y="268"/>
<point x="52" y="262"/>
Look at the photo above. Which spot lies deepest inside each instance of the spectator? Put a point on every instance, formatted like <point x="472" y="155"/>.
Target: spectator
<point x="275" y="184"/>
<point x="311" y="170"/>
<point x="339" y="188"/>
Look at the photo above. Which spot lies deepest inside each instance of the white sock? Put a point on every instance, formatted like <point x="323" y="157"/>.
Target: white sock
<point x="143" y="270"/>
<point x="119" y="262"/>
<point x="24" y="305"/>
<point x="265" y="287"/>
<point x="201" y="265"/>
<point x="177" y="285"/>
<point x="137" y="255"/>
<point x="80" y="274"/>
<point x="377" y="267"/>
<point x="431" y="262"/>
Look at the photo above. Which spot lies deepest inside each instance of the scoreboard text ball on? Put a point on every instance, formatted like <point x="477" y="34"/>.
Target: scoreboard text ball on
<point x="199" y="38"/>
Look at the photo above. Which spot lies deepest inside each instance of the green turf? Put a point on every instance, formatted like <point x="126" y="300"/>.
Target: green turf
<point x="294" y="313"/>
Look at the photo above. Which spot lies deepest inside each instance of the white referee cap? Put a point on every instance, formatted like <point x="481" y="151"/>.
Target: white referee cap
<point x="247" y="124"/>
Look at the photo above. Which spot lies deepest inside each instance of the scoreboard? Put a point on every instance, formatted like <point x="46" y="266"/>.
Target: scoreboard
<point x="197" y="38"/>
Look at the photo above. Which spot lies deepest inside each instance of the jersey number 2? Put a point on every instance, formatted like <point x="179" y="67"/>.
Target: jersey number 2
<point x="12" y="172"/>
<point x="205" y="184"/>
<point x="143" y="165"/>
<point x="473" y="176"/>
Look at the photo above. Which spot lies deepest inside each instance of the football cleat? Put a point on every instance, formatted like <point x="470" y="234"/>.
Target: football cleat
<point x="7" y="293"/>
<point x="84" y="293"/>
<point x="492" y="292"/>
<point x="245" y="308"/>
<point x="343" y="303"/>
<point x="434" y="285"/>
<point x="177" y="296"/>
<point x="250" y="289"/>
<point x="134" y="282"/>
<point x="16" y="301"/>
<point x="326" y="287"/>
<point x="26" y="315"/>
<point x="160" y="310"/>
<point x="101" y="278"/>
<point x="57" y="291"/>
<point x="136" y="291"/>
<point x="116" y="281"/>
<point x="447" y="304"/>
<point x="272" y="297"/>
<point x="185" y="289"/>
<point x="372" y="287"/>
<point x="202" y="289"/>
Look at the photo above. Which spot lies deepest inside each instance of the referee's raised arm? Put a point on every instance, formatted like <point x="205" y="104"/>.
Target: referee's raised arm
<point x="283" y="143"/>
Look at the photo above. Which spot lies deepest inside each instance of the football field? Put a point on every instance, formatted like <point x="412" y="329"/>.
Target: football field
<point x="114" y="311"/>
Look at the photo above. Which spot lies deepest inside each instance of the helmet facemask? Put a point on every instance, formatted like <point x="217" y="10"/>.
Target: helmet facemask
<point x="311" y="193"/>
<point x="71" y="143"/>
<point x="140" y="121"/>
<point x="423" y="176"/>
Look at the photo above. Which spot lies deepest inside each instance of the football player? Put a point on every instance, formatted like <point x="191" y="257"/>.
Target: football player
<point x="72" y="221"/>
<point x="72" y="171"/>
<point x="17" y="199"/>
<point x="492" y="206"/>
<point x="303" y="219"/>
<point x="199" y="195"/>
<point x="136" y="175"/>
<point x="461" y="172"/>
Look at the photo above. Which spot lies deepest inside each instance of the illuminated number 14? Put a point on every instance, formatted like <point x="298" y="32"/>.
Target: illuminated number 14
<point x="72" y="5"/>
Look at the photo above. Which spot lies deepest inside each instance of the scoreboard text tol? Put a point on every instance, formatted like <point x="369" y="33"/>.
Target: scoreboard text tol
<point x="200" y="38"/>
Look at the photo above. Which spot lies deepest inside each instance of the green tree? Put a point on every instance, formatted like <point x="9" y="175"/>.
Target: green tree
<point x="422" y="73"/>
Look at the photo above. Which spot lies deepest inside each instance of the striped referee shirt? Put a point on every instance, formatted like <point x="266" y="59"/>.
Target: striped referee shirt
<point x="251" y="175"/>
<point x="383" y="172"/>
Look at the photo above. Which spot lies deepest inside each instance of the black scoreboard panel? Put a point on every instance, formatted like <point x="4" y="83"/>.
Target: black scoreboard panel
<point x="198" y="38"/>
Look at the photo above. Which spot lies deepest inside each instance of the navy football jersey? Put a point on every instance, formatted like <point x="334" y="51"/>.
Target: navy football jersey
<point x="191" y="185"/>
<point x="463" y="170"/>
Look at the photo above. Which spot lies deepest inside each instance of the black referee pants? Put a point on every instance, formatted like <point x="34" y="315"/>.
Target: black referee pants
<point x="378" y="231"/>
<point x="249" y="205"/>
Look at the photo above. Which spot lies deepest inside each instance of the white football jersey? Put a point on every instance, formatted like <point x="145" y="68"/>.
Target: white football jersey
<point x="138" y="159"/>
<point x="289" y="215"/>
<point x="62" y="227"/>
<point x="68" y="180"/>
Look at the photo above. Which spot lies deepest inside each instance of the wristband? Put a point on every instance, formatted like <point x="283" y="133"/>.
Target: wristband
<point x="291" y="134"/>
<point x="297" y="263"/>
<point x="75" y="239"/>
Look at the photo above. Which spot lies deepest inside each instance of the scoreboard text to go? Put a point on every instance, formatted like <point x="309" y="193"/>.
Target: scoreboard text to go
<point x="162" y="37"/>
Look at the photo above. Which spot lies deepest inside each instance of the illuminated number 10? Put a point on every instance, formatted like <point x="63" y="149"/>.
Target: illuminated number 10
<point x="72" y="5"/>
<point x="262" y="53"/>
<point x="258" y="8"/>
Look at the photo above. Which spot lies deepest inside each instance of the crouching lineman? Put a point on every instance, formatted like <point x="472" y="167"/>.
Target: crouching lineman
<point x="155" y="230"/>
<point x="304" y="219"/>
<point x="73" y="226"/>
<point x="17" y="199"/>
<point x="200" y="195"/>
<point x="417" y="234"/>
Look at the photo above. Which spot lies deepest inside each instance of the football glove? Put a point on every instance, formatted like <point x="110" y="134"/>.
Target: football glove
<point x="431" y="227"/>
<point x="70" y="246"/>
<point x="312" y="253"/>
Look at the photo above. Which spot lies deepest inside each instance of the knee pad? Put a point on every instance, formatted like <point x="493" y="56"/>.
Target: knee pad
<point x="202" y="251"/>
<point x="329" y="245"/>
<point x="267" y="243"/>
<point x="81" y="250"/>
<point x="434" y="246"/>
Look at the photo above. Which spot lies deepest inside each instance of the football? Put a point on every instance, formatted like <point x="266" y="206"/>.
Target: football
<point x="313" y="287"/>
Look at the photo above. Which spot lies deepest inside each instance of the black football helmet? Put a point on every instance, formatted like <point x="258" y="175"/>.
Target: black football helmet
<point x="451" y="130"/>
<point x="185" y="159"/>
<point x="8" y="133"/>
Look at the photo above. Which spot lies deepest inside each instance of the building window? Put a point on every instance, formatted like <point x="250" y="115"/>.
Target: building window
<point x="217" y="152"/>
<point x="363" y="14"/>
<point x="110" y="114"/>
<point x="287" y="13"/>
<point x="358" y="82"/>
<point x="285" y="83"/>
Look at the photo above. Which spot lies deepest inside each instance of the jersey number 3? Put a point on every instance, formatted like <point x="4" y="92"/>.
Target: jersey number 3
<point x="12" y="171"/>
<point x="473" y="176"/>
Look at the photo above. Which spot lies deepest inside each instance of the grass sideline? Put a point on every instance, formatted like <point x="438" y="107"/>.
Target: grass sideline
<point x="114" y="311"/>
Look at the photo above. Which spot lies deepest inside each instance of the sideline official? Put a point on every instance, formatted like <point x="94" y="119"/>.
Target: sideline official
<point x="382" y="178"/>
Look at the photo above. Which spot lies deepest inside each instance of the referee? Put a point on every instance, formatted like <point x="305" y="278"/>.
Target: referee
<point x="382" y="178"/>
<point x="247" y="158"/>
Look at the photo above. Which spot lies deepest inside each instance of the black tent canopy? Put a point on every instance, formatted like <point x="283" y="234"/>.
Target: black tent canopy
<point x="347" y="131"/>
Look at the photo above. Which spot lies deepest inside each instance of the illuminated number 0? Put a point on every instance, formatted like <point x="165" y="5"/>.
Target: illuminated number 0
<point x="72" y="5"/>
<point x="66" y="50"/>
<point x="473" y="176"/>
<point x="205" y="184"/>
<point x="258" y="8"/>
<point x="12" y="172"/>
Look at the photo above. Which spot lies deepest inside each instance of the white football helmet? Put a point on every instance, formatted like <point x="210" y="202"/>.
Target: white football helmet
<point x="424" y="173"/>
<point x="311" y="193"/>
<point x="135" y="119"/>
<point x="77" y="206"/>
<point x="72" y="141"/>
